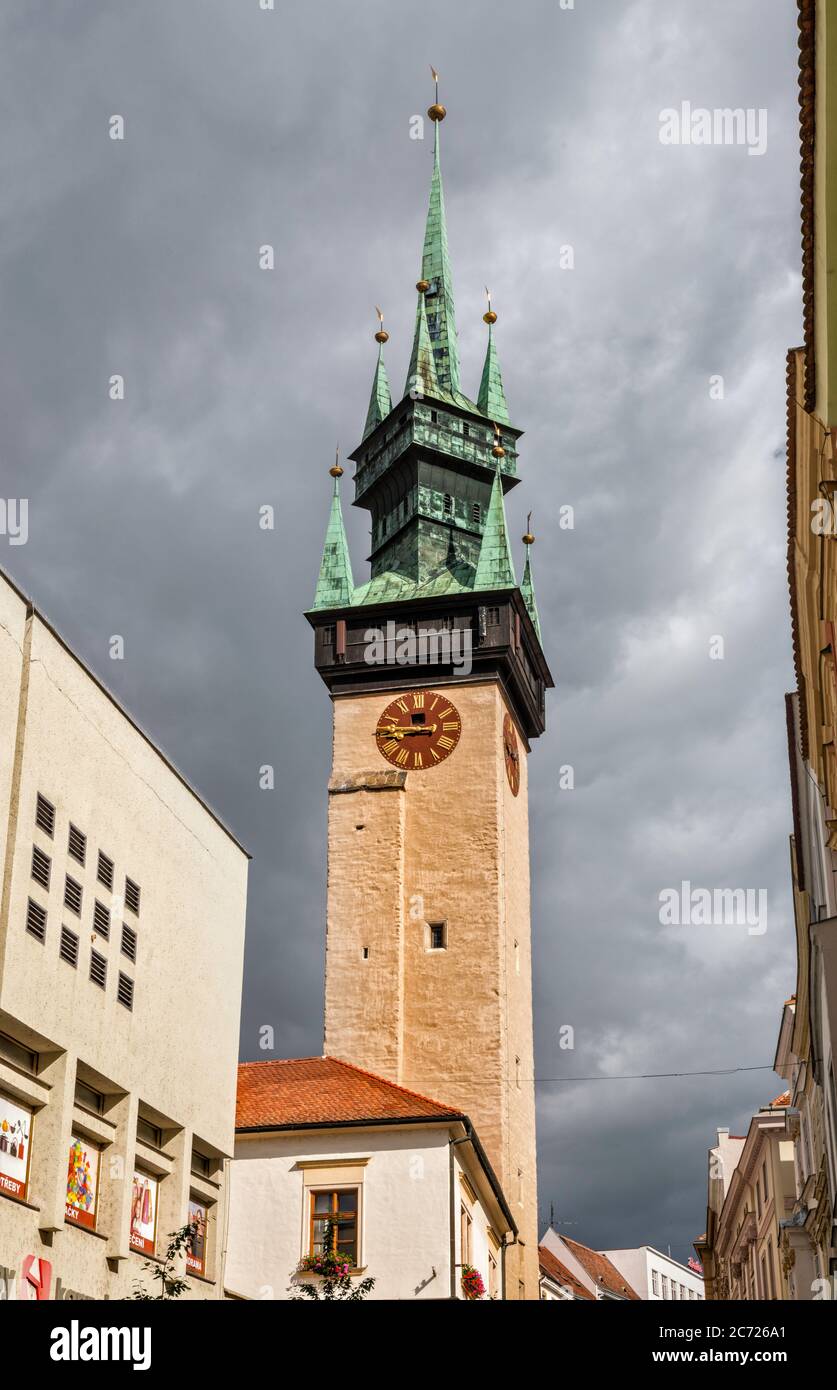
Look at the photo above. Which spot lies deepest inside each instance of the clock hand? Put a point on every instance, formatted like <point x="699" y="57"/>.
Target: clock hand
<point x="404" y="730"/>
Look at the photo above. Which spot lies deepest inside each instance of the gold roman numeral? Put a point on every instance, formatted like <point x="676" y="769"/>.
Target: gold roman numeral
<point x="418" y="700"/>
<point x="417" y="760"/>
<point x="402" y="705"/>
<point x="445" y="742"/>
<point x="451" y="724"/>
<point x="402" y="757"/>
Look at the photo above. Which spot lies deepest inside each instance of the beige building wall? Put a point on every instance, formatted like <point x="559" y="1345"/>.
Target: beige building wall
<point x="448" y="845"/>
<point x="172" y="1057"/>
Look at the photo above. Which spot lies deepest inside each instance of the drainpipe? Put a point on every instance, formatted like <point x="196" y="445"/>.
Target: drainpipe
<point x="503" y="1248"/>
<point x="452" y="1143"/>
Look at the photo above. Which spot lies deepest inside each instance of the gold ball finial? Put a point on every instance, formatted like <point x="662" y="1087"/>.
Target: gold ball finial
<point x="528" y="538"/>
<point x="381" y="336"/>
<point x="335" y="470"/>
<point x="489" y="317"/>
<point x="498" y="451"/>
<point x="437" y="112"/>
<point x="422" y="286"/>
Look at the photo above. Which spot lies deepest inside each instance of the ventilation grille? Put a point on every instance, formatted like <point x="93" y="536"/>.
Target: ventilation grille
<point x="125" y="991"/>
<point x="68" y="950"/>
<point x="77" y="845"/>
<point x="104" y="872"/>
<point x="132" y="895"/>
<point x="129" y="942"/>
<point x="98" y="968"/>
<point x="36" y="920"/>
<point x="72" y="895"/>
<point x="45" y="815"/>
<point x="101" y="919"/>
<point x="40" y="867"/>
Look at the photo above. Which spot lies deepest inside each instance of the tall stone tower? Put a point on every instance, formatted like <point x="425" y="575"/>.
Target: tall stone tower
<point x="437" y="678"/>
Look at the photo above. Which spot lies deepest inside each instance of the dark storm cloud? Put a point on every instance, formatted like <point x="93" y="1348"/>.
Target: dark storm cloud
<point x="245" y="127"/>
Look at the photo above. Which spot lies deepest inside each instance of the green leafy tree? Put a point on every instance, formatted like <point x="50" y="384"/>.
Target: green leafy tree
<point x="170" y="1283"/>
<point x="334" y="1283"/>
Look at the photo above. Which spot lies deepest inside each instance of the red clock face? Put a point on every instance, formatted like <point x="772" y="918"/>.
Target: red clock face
<point x="511" y="752"/>
<point x="418" y="730"/>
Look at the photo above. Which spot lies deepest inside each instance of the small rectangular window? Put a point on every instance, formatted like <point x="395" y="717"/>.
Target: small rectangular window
<point x="101" y="919"/>
<point x="129" y="942"/>
<point x="89" y="1099"/>
<point x="132" y="896"/>
<point x="438" y="936"/>
<point x="328" y="635"/>
<point x="36" y="920"/>
<point x="337" y="1210"/>
<point x="149" y="1134"/>
<point x="476" y="513"/>
<point x="72" y="895"/>
<point x="68" y="949"/>
<point x="40" y="867"/>
<point x="201" y="1163"/>
<point x="447" y="505"/>
<point x="466" y="430"/>
<point x="18" y="1055"/>
<point x="45" y="815"/>
<point x="77" y="844"/>
<point x="492" y="617"/>
<point x="98" y="969"/>
<point x="104" y="871"/>
<point x="125" y="991"/>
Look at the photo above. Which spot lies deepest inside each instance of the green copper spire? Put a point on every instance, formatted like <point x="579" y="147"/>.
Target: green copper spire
<point x="436" y="271"/>
<point x="492" y="397"/>
<point x="380" y="402"/>
<point x="495" y="567"/>
<point x="335" y="586"/>
<point x="527" y="588"/>
<point x="421" y="373"/>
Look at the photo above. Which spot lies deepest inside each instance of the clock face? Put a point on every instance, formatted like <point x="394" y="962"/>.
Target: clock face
<point x="511" y="752"/>
<point x="418" y="730"/>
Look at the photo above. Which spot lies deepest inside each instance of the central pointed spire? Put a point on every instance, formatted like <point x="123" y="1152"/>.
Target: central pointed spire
<point x="436" y="270"/>
<point x="380" y="402"/>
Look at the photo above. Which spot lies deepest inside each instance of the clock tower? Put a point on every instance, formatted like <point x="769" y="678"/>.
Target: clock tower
<point x="437" y="677"/>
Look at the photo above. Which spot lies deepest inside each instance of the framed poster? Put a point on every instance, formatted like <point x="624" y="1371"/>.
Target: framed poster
<point x="144" y="1212"/>
<point x="196" y="1252"/>
<point x="82" y="1183"/>
<point x="15" y="1143"/>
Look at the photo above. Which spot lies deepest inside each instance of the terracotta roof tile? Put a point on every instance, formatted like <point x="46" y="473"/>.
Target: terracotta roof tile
<point x="323" y="1090"/>
<point x="781" y="1101"/>
<point x="555" y="1270"/>
<point x="604" y="1274"/>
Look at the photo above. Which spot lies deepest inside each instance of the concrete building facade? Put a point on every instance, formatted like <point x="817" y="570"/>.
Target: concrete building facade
<point x="121" y="948"/>
<point x="657" y="1276"/>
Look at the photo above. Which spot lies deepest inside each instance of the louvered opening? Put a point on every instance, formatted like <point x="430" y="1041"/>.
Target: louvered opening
<point x="77" y="845"/>
<point x="68" y="950"/>
<point x="104" y="872"/>
<point x="72" y="895"/>
<point x="98" y="969"/>
<point x="129" y="942"/>
<point x="36" y="920"/>
<point x="132" y="895"/>
<point x="45" y="815"/>
<point x="40" y="866"/>
<point x="101" y="920"/>
<point x="125" y="991"/>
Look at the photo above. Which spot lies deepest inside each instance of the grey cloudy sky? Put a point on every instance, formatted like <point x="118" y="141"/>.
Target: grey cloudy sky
<point x="140" y="258"/>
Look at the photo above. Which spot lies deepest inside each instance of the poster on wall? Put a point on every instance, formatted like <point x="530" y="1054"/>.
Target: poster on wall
<point x="144" y="1213"/>
<point x="196" y="1253"/>
<point x="15" y="1132"/>
<point x="82" y="1183"/>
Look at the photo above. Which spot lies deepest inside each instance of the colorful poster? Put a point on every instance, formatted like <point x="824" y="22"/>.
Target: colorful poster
<point x="15" y="1132"/>
<point x="196" y="1253"/>
<point x="82" y="1183"/>
<point x="144" y="1213"/>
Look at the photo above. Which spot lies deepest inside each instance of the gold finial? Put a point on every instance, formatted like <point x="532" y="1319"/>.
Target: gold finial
<point x="335" y="470"/>
<point x="422" y="286"/>
<point x="381" y="336"/>
<point x="436" y="112"/>
<point x="489" y="317"/>
<point x="498" y="451"/>
<point x="529" y="539"/>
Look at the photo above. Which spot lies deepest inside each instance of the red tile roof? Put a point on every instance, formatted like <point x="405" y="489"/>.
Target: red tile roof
<point x="604" y="1274"/>
<point x="555" y="1270"/>
<point x="322" y="1091"/>
<point x="781" y="1101"/>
